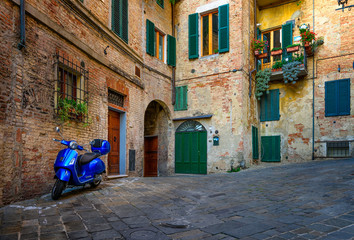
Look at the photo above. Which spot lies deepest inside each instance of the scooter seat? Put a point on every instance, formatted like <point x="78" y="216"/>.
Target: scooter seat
<point x="87" y="157"/>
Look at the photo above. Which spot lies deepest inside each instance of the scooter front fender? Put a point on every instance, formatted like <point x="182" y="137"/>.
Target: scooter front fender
<point x="63" y="174"/>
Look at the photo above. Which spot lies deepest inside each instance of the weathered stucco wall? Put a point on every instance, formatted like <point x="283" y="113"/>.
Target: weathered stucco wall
<point x="295" y="124"/>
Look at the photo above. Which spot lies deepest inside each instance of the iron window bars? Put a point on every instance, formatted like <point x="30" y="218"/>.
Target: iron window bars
<point x="115" y="98"/>
<point x="71" y="94"/>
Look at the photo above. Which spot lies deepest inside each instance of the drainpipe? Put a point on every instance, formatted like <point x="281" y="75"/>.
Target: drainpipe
<point x="173" y="68"/>
<point x="22" y="43"/>
<point x="313" y="90"/>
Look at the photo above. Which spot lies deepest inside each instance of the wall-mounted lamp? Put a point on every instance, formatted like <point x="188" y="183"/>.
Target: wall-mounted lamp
<point x="105" y="50"/>
<point x="258" y="24"/>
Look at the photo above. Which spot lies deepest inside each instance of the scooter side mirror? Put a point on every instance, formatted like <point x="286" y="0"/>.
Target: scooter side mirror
<point x="57" y="129"/>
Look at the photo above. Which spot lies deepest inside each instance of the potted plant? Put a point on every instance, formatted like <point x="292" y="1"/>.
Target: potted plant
<point x="81" y="110"/>
<point x="258" y="46"/>
<point x="293" y="48"/>
<point x="307" y="39"/>
<point x="276" y="51"/>
<point x="291" y="71"/>
<point x="277" y="66"/>
<point x="70" y="109"/>
<point x="262" y="79"/>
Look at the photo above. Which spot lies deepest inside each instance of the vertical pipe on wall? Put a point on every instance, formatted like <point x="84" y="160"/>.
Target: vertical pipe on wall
<point x="22" y="26"/>
<point x="313" y="90"/>
<point x="173" y="68"/>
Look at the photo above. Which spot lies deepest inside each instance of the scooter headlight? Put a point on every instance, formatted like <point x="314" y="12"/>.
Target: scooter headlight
<point x="73" y="145"/>
<point x="72" y="161"/>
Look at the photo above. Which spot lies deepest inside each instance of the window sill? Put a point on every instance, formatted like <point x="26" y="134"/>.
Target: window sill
<point x="210" y="56"/>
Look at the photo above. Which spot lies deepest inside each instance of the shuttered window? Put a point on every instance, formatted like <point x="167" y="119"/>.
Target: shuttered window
<point x="171" y="50"/>
<point x="193" y="36"/>
<point x="255" y="148"/>
<point x="160" y="3"/>
<point x="287" y="38"/>
<point x="337" y="98"/>
<point x="270" y="106"/>
<point x="120" y="18"/>
<point x="181" y="98"/>
<point x="150" y="38"/>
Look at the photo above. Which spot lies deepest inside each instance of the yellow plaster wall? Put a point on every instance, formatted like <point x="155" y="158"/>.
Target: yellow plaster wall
<point x="273" y="17"/>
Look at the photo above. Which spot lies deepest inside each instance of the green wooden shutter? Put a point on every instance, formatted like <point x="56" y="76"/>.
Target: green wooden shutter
<point x="255" y="148"/>
<point x="343" y="97"/>
<point x="330" y="99"/>
<point x="193" y="36"/>
<point x="124" y="20"/>
<point x="270" y="106"/>
<point x="171" y="51"/>
<point x="120" y="18"/>
<point x="150" y="38"/>
<point x="287" y="38"/>
<point x="184" y="101"/>
<point x="181" y="98"/>
<point x="224" y="28"/>
<point x="160" y="3"/>
<point x="115" y="16"/>
<point x="270" y="148"/>
<point x="337" y="98"/>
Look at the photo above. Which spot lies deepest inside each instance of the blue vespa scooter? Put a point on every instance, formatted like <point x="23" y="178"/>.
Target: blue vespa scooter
<point x="77" y="170"/>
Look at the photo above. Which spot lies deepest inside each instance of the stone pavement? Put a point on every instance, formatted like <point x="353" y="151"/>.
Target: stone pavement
<point x="299" y="201"/>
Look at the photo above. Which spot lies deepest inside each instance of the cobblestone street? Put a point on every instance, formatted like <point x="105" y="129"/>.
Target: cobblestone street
<point x="299" y="201"/>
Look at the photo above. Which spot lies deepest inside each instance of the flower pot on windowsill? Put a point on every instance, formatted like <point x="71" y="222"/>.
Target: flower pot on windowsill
<point x="308" y="49"/>
<point x="276" y="53"/>
<point x="293" y="49"/>
<point x="257" y="52"/>
<point x="263" y="55"/>
<point x="276" y="70"/>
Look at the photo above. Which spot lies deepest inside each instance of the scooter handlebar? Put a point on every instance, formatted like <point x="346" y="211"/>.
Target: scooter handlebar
<point x="56" y="140"/>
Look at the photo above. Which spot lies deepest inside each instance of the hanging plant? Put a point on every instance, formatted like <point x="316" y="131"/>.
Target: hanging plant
<point x="291" y="71"/>
<point x="262" y="80"/>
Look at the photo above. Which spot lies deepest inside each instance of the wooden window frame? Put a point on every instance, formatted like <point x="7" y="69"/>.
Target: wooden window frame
<point x="210" y="16"/>
<point x="157" y="42"/>
<point x="270" y="64"/>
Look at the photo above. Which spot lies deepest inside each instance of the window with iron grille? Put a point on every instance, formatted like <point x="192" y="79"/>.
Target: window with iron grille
<point x="71" y="95"/>
<point x="115" y="98"/>
<point x="120" y="18"/>
<point x="338" y="149"/>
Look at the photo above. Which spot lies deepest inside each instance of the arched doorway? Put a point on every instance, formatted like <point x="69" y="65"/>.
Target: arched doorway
<point x="156" y="139"/>
<point x="191" y="148"/>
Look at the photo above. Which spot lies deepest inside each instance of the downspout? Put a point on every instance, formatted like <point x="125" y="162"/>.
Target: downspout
<point x="173" y="68"/>
<point x="255" y="59"/>
<point x="313" y="90"/>
<point x="22" y="43"/>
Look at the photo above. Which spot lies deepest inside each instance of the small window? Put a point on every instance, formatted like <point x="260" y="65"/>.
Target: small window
<point x="181" y="99"/>
<point x="160" y="3"/>
<point x="210" y="33"/>
<point x="337" y="98"/>
<point x="71" y="95"/>
<point x="160" y="45"/>
<point x="338" y="149"/>
<point x="137" y="71"/>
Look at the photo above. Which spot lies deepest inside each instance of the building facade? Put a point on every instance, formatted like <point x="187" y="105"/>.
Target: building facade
<point x="171" y="86"/>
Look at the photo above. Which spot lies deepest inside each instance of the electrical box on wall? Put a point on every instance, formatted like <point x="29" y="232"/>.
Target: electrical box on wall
<point x="216" y="141"/>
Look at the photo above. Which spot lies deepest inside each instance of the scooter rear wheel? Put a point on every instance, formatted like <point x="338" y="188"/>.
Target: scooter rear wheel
<point x="58" y="188"/>
<point x="95" y="183"/>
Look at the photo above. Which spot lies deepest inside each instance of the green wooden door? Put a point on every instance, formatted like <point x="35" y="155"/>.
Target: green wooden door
<point x="191" y="152"/>
<point x="270" y="148"/>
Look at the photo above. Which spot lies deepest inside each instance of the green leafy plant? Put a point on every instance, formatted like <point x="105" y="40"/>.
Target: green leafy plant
<point x="277" y="65"/>
<point x="216" y="51"/>
<point x="262" y="80"/>
<point x="70" y="109"/>
<point x="291" y="71"/>
<point x="237" y="169"/>
<point x="292" y="45"/>
<point x="259" y="45"/>
<point x="298" y="58"/>
<point x="276" y="49"/>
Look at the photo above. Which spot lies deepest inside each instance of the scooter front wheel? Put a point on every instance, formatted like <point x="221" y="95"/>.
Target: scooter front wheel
<point x="58" y="188"/>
